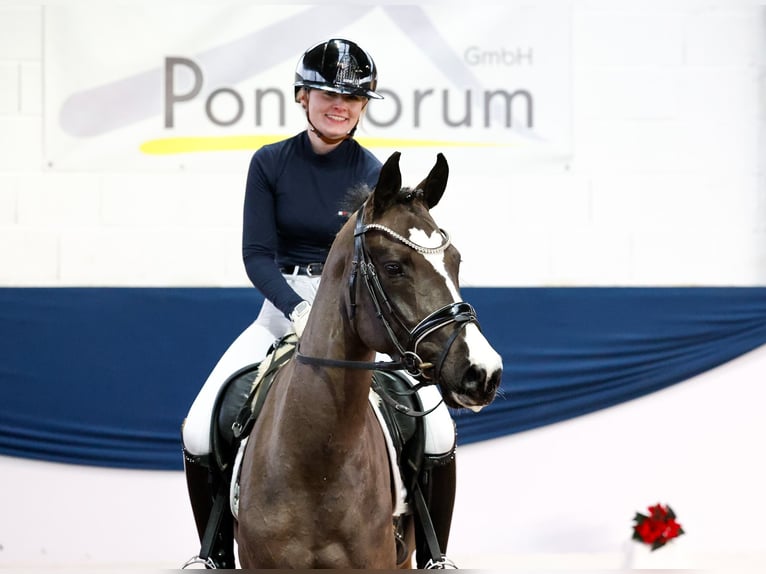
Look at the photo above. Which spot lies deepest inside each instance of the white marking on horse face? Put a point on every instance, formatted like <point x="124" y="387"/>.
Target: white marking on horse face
<point x="419" y="237"/>
<point x="480" y="352"/>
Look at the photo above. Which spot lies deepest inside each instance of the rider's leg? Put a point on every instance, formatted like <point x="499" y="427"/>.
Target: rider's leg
<point x="200" y="493"/>
<point x="198" y="481"/>
<point x="440" y="475"/>
<point x="250" y="347"/>
<point x="439" y="449"/>
<point x="441" y="500"/>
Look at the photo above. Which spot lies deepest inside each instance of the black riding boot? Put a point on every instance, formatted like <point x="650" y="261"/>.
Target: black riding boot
<point x="200" y="485"/>
<point x="443" y="480"/>
<point x="439" y="493"/>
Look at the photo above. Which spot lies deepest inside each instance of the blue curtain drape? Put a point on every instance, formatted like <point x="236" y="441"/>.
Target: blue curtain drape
<point x="104" y="376"/>
<point x="572" y="351"/>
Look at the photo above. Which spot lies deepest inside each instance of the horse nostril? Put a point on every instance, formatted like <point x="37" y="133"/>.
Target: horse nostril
<point x="478" y="382"/>
<point x="474" y="380"/>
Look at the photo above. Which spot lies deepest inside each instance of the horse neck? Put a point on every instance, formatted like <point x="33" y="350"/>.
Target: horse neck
<point x="343" y="393"/>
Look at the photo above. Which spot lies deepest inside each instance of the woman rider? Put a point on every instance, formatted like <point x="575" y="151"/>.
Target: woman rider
<point x="293" y="193"/>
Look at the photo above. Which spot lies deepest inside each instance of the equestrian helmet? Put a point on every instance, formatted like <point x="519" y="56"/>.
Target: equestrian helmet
<point x="339" y="66"/>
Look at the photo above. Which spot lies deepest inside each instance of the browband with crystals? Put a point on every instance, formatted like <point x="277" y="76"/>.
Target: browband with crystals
<point x="407" y="242"/>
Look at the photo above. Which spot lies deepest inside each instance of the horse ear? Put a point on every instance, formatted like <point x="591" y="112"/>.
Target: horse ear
<point x="434" y="185"/>
<point x="389" y="184"/>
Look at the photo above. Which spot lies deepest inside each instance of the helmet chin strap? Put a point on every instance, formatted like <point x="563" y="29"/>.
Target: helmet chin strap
<point x="323" y="137"/>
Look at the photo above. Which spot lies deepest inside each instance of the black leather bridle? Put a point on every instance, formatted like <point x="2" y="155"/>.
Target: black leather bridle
<point x="459" y="313"/>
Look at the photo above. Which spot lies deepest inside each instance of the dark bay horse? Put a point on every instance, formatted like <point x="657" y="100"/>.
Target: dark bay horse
<point x="315" y="487"/>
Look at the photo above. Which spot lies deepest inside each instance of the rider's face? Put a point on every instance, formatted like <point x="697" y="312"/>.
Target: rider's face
<point x="334" y="114"/>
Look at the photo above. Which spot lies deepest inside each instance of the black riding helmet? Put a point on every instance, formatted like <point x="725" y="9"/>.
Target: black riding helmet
<point x="339" y="66"/>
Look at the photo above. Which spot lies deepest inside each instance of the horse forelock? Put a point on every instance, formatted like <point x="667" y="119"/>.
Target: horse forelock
<point x="412" y="199"/>
<point x="408" y="195"/>
<point x="356" y="196"/>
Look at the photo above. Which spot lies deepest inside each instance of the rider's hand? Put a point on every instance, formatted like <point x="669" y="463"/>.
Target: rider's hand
<point x="299" y="317"/>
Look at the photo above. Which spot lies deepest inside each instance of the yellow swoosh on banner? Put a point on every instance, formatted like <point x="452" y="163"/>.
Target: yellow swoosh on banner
<point x="170" y="146"/>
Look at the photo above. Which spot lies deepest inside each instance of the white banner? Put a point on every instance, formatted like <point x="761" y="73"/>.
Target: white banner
<point x="182" y="85"/>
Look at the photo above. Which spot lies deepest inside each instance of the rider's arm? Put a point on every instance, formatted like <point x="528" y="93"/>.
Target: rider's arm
<point x="259" y="237"/>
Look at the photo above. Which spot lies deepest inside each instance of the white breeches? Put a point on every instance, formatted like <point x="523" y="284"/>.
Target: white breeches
<point x="251" y="347"/>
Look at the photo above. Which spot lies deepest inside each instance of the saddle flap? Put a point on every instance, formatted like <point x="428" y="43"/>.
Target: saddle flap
<point x="407" y="432"/>
<point x="233" y="395"/>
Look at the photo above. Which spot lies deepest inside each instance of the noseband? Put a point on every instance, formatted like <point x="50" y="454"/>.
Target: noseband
<point x="460" y="313"/>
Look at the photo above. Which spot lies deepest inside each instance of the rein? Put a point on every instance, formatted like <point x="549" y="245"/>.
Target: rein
<point x="459" y="313"/>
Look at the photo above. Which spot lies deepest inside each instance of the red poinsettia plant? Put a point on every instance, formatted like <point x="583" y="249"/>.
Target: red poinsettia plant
<point x="658" y="528"/>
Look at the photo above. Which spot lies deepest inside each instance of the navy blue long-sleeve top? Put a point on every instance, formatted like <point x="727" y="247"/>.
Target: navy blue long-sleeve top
<point x="291" y="211"/>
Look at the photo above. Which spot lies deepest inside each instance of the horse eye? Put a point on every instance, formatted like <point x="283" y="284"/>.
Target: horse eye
<point x="393" y="269"/>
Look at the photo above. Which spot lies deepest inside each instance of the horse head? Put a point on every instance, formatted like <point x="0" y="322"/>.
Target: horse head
<point x="404" y="299"/>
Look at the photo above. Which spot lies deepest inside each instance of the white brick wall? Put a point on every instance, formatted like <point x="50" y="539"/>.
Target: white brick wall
<point x="666" y="185"/>
<point x="668" y="101"/>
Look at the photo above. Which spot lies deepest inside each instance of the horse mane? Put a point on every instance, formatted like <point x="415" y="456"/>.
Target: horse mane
<point x="354" y="198"/>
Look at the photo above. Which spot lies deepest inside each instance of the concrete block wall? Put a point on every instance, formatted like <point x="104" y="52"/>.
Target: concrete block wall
<point x="665" y="185"/>
<point x="669" y="134"/>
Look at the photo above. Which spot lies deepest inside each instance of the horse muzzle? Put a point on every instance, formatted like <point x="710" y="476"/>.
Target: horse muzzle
<point x="476" y="390"/>
<point x="466" y="367"/>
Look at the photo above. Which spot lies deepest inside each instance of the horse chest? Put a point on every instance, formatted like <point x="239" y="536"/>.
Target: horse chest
<point x="322" y="525"/>
<point x="319" y="511"/>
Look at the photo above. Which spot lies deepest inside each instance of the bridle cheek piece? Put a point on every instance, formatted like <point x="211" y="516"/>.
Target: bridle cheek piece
<point x="460" y="314"/>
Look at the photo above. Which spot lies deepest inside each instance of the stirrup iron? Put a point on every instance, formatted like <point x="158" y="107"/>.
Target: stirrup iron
<point x="207" y="562"/>
<point x="443" y="563"/>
